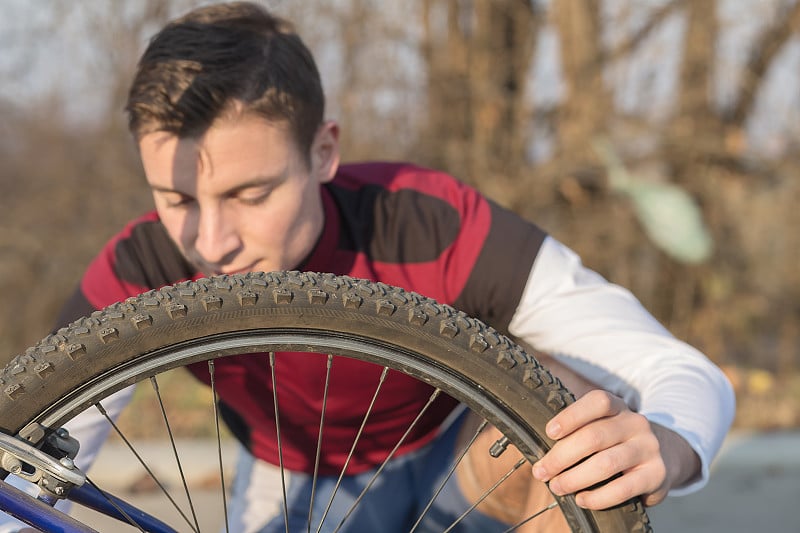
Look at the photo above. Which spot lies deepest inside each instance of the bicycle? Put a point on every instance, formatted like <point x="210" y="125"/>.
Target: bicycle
<point x="202" y="321"/>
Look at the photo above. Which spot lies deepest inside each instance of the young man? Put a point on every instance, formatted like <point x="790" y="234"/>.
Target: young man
<point x="227" y="110"/>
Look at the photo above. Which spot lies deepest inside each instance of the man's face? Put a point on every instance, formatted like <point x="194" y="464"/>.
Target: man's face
<point x="240" y="198"/>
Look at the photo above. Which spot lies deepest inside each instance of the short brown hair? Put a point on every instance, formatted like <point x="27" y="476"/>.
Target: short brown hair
<point x="200" y="64"/>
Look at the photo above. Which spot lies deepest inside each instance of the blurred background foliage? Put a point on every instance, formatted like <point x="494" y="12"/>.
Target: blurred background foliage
<point x="657" y="138"/>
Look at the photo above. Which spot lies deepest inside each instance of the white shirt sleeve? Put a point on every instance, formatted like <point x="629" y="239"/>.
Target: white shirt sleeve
<point x="601" y="331"/>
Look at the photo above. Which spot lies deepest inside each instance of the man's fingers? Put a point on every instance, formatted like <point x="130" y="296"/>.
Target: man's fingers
<point x="596" y="436"/>
<point x="574" y="448"/>
<point x="604" y="453"/>
<point x="621" y="489"/>
<point x="619" y="455"/>
<point x="638" y="471"/>
<point x="592" y="406"/>
<point x="596" y="469"/>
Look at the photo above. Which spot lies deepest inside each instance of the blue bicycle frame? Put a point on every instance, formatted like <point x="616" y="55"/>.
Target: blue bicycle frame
<point x="44" y="517"/>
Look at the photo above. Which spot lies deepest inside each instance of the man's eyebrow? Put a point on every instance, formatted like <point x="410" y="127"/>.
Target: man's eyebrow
<point x="161" y="188"/>
<point x="258" y="181"/>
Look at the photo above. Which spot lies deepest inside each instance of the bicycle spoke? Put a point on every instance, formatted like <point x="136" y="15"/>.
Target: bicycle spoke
<point x="211" y="368"/>
<point x="487" y="493"/>
<point x="534" y="515"/>
<point x="431" y="399"/>
<point x="113" y="504"/>
<point x="139" y="458"/>
<point x="154" y="383"/>
<point x="449" y="475"/>
<point x="280" y="446"/>
<point x="328" y="366"/>
<point x="381" y="380"/>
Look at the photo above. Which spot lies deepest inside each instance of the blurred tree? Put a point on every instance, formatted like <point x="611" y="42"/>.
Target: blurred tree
<point x="480" y="118"/>
<point x="513" y="96"/>
<point x="477" y="57"/>
<point x="68" y="181"/>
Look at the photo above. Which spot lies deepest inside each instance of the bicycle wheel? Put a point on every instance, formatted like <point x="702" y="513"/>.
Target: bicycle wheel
<point x="191" y="322"/>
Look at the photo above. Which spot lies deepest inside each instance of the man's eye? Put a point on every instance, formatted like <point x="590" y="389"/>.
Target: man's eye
<point x="177" y="200"/>
<point x="255" y="198"/>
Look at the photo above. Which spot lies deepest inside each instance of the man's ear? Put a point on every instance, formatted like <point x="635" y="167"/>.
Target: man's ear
<point x="325" y="152"/>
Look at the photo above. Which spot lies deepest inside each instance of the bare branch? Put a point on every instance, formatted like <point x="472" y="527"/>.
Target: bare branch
<point x="770" y="43"/>
<point x="699" y="52"/>
<point x="632" y="42"/>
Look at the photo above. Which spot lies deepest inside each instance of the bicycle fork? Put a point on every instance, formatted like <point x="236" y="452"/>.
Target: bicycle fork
<point x="55" y="478"/>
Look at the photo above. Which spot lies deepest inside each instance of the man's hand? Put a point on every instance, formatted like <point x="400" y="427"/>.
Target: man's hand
<point x="598" y="437"/>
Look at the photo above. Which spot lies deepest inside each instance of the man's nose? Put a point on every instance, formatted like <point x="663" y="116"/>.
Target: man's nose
<point x="216" y="238"/>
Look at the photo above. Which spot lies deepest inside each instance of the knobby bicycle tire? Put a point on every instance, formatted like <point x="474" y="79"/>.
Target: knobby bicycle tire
<point x="70" y="370"/>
